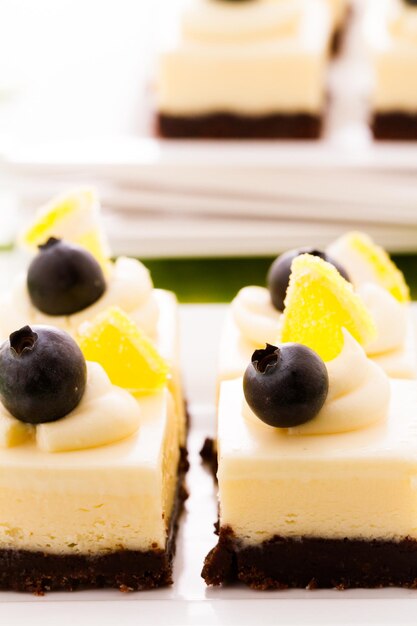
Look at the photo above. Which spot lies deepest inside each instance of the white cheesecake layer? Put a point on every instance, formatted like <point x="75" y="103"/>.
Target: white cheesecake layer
<point x="361" y="484"/>
<point x="391" y="35"/>
<point x="114" y="497"/>
<point x="249" y="59"/>
<point x="168" y="343"/>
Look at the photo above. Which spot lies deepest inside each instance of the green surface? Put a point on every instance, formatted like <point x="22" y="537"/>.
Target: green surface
<point x="218" y="280"/>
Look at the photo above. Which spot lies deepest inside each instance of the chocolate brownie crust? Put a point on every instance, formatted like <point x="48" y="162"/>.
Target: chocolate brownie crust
<point x="230" y="126"/>
<point x="127" y="570"/>
<point x="395" y="126"/>
<point x="340" y="34"/>
<point x="208" y="454"/>
<point x="283" y="563"/>
<point x="38" y="572"/>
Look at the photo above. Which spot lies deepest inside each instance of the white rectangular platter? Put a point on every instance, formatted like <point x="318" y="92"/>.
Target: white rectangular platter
<point x="189" y="602"/>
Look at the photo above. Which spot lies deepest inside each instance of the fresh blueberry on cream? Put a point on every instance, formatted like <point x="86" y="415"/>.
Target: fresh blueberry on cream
<point x="280" y="270"/>
<point x="64" y="278"/>
<point x="42" y="374"/>
<point x="287" y="386"/>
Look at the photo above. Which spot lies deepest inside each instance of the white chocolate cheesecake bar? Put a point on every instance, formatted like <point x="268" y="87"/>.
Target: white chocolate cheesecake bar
<point x="313" y="493"/>
<point x="254" y="68"/>
<point x="391" y="35"/>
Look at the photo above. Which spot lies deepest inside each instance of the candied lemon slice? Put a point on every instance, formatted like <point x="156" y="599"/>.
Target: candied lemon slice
<point x="319" y="303"/>
<point x="375" y="262"/>
<point x="73" y="216"/>
<point x="126" y="354"/>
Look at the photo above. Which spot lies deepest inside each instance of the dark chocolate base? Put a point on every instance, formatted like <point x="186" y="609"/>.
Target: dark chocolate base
<point x="208" y="454"/>
<point x="340" y="34"/>
<point x="283" y="563"/>
<point x="230" y="126"/>
<point x="337" y="41"/>
<point x="395" y="126"/>
<point x="127" y="570"/>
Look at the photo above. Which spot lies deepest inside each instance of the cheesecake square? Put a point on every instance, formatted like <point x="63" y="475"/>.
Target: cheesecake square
<point x="316" y="445"/>
<point x="316" y="511"/>
<point x="245" y="70"/>
<point x="93" y="424"/>
<point x="100" y="517"/>
<point x="102" y="512"/>
<point x="390" y="33"/>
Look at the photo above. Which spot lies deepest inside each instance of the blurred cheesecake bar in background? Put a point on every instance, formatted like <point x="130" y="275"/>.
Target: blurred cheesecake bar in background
<point x="247" y="69"/>
<point x="391" y="34"/>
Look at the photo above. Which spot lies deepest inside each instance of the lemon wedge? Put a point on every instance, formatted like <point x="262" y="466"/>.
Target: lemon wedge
<point x="73" y="216"/>
<point x="367" y="261"/>
<point x="130" y="359"/>
<point x="319" y="304"/>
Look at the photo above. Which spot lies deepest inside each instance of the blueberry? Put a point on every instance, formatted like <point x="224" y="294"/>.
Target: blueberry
<point x="64" y="279"/>
<point x="286" y="386"/>
<point x="42" y="374"/>
<point x="280" y="270"/>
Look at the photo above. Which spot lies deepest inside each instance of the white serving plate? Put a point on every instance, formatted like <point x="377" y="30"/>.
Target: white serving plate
<point x="189" y="602"/>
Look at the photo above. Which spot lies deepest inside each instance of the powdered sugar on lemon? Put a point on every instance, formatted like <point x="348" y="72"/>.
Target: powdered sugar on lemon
<point x="127" y="355"/>
<point x="319" y="304"/>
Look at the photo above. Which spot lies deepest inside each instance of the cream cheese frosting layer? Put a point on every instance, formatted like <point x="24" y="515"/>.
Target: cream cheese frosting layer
<point x="129" y="286"/>
<point x="109" y="498"/>
<point x="391" y="33"/>
<point x="360" y="484"/>
<point x="215" y="68"/>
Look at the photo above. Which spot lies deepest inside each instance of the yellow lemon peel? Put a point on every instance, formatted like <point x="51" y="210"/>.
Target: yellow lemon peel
<point x="128" y="356"/>
<point x="319" y="304"/>
<point x="73" y="216"/>
<point x="386" y="272"/>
